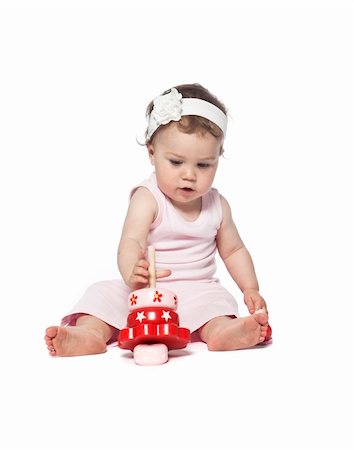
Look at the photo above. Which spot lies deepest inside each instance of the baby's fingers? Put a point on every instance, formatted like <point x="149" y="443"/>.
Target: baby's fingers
<point x="261" y="305"/>
<point x="163" y="273"/>
<point x="250" y="304"/>
<point x="140" y="273"/>
<point x="142" y="263"/>
<point x="137" y="281"/>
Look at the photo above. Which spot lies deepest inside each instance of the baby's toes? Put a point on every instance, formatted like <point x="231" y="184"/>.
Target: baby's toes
<point x="263" y="333"/>
<point x="264" y="329"/>
<point x="50" y="346"/>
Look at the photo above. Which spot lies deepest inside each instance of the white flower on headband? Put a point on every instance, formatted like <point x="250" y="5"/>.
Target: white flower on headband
<point x="167" y="107"/>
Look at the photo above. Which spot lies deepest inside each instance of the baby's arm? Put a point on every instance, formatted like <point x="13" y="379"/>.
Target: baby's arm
<point x="131" y="251"/>
<point x="237" y="260"/>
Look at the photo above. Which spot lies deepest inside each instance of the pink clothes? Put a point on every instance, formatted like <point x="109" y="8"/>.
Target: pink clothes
<point x="188" y="250"/>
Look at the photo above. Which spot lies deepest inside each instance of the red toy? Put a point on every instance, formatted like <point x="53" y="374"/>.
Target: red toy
<point x="153" y="324"/>
<point x="269" y="334"/>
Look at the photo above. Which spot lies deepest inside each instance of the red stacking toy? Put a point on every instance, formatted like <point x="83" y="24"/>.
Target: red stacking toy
<point x="153" y="320"/>
<point x="150" y="324"/>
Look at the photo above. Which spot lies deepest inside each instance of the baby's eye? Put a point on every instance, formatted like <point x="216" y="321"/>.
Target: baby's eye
<point x="203" y="165"/>
<point x="175" y="162"/>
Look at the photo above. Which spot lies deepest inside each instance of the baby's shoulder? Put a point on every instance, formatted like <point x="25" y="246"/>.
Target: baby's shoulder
<point x="142" y="205"/>
<point x="225" y="207"/>
<point x="218" y="198"/>
<point x="143" y="195"/>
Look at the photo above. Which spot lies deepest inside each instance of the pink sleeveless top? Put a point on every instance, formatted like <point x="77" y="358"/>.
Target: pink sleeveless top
<point x="186" y="248"/>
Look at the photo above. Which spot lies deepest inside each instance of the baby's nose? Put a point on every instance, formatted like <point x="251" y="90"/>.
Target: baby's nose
<point x="189" y="174"/>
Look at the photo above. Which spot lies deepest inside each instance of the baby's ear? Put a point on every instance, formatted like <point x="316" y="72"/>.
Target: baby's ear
<point x="151" y="153"/>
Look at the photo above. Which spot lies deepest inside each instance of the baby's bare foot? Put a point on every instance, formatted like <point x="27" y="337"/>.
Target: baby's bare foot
<point x="242" y="332"/>
<point x="73" y="341"/>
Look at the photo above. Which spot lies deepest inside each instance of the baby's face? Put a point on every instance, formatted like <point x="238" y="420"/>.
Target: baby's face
<point x="185" y="164"/>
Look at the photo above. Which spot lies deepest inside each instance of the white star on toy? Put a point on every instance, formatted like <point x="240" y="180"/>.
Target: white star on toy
<point x="166" y="315"/>
<point x="140" y="316"/>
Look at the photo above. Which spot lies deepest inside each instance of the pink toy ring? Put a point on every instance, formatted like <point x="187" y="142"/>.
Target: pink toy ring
<point x="152" y="297"/>
<point x="150" y="354"/>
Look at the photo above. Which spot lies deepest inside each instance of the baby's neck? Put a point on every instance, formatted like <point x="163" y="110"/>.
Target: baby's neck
<point x="190" y="211"/>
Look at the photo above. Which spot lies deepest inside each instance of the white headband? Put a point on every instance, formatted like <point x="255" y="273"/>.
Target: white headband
<point x="172" y="106"/>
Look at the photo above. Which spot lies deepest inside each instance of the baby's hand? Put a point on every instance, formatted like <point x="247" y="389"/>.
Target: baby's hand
<point x="254" y="301"/>
<point x="139" y="277"/>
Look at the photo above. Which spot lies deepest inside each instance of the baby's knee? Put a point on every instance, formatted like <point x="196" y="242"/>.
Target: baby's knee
<point x="98" y="287"/>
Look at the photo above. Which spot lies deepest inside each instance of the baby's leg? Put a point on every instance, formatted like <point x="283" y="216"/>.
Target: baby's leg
<point x="225" y="333"/>
<point x="87" y="337"/>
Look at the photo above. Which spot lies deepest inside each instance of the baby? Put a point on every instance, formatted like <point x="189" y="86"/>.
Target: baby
<point x="178" y="212"/>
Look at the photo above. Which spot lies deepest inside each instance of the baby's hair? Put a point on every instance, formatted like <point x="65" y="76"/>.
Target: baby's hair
<point x="193" y="124"/>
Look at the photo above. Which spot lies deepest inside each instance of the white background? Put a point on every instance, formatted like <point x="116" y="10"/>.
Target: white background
<point x="76" y="77"/>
